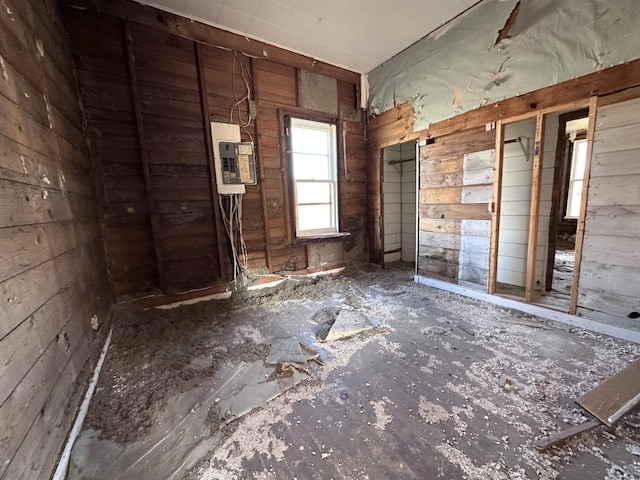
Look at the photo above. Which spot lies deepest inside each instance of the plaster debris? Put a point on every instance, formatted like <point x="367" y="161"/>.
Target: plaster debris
<point x="172" y="375"/>
<point x="633" y="449"/>
<point x="383" y="418"/>
<point x="347" y="324"/>
<point x="432" y="412"/>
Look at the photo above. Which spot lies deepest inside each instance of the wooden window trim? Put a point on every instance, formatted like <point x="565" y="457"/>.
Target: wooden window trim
<point x="287" y="179"/>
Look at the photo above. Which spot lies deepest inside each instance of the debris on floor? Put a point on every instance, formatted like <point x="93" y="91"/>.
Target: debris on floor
<point x="185" y="433"/>
<point x="437" y="386"/>
<point x="347" y="324"/>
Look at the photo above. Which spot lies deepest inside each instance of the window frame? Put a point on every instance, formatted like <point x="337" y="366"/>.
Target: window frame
<point x="294" y="234"/>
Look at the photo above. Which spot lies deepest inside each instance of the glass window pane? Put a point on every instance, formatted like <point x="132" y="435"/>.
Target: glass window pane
<point x="315" y="217"/>
<point x="308" y="140"/>
<point x="579" y="160"/>
<point x="574" y="200"/>
<point x="313" y="192"/>
<point x="311" y="167"/>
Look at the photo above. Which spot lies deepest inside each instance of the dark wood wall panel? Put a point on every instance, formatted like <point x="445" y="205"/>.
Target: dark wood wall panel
<point x="52" y="272"/>
<point x="149" y="94"/>
<point x="180" y="191"/>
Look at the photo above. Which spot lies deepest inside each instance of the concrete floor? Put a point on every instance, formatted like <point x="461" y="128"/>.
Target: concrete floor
<point x="446" y="388"/>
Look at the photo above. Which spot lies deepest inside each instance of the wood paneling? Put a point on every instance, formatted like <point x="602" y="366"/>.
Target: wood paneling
<point x="453" y="215"/>
<point x="148" y="117"/>
<point x="189" y="29"/>
<point x="52" y="273"/>
<point x="611" y="225"/>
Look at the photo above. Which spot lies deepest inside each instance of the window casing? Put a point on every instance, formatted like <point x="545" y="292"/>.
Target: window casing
<point x="313" y="171"/>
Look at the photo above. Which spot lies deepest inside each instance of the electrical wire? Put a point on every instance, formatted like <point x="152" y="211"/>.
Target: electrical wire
<point x="246" y="97"/>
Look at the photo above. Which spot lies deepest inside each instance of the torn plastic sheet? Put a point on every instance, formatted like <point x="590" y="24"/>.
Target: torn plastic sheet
<point x="182" y="437"/>
<point x="459" y="67"/>
<point x="177" y="443"/>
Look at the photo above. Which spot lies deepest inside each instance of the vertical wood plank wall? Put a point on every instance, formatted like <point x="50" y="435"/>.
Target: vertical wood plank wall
<point x="611" y="248"/>
<point x="163" y="232"/>
<point x="52" y="273"/>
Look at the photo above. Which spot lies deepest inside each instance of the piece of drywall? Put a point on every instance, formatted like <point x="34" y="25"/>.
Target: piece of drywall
<point x="53" y="282"/>
<point x="462" y="66"/>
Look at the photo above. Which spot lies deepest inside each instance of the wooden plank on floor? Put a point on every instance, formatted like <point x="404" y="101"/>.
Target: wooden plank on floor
<point x="615" y="396"/>
<point x="560" y="437"/>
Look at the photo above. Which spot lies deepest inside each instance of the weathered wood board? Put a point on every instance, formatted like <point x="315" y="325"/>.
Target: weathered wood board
<point x="614" y="397"/>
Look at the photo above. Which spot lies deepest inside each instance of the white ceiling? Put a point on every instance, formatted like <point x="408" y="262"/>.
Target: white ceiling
<point x="356" y="34"/>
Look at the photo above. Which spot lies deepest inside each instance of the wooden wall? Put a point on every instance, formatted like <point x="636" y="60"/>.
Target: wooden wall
<point x="610" y="266"/>
<point x="392" y="127"/>
<point x="607" y="287"/>
<point x="150" y="82"/>
<point x="455" y="190"/>
<point x="52" y="276"/>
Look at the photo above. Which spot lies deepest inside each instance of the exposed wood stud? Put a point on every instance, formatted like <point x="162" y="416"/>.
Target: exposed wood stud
<point x="206" y="122"/>
<point x="381" y="196"/>
<point x="153" y="215"/>
<point x="534" y="216"/>
<point x="261" y="174"/>
<point x="593" y="110"/>
<point x="495" y="208"/>
<point x="283" y="144"/>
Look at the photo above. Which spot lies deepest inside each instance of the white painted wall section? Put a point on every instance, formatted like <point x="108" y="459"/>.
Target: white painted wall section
<point x="392" y="196"/>
<point x="475" y="235"/>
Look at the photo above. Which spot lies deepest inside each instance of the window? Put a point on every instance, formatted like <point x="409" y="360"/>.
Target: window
<point x="313" y="162"/>
<point x="574" y="194"/>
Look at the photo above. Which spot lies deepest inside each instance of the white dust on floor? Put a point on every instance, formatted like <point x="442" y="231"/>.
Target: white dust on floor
<point x="521" y="370"/>
<point x="432" y="412"/>
<point x="535" y="386"/>
<point x="383" y="418"/>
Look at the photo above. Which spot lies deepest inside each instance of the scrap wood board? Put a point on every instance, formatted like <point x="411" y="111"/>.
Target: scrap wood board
<point x="615" y="396"/>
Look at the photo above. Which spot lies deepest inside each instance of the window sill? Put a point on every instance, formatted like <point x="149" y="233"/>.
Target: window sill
<point x="320" y="237"/>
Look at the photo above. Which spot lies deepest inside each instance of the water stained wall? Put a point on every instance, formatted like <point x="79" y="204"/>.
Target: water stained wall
<point x="504" y="48"/>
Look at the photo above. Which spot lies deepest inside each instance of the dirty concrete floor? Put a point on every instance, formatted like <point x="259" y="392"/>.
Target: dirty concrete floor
<point x="446" y="387"/>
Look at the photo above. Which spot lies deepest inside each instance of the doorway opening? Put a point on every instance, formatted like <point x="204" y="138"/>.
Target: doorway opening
<point x="570" y="163"/>
<point x="541" y="182"/>
<point x="399" y="204"/>
<point x="515" y="207"/>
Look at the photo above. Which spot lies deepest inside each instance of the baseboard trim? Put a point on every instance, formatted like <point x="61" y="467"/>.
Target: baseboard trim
<point x="549" y="314"/>
<point x="63" y="464"/>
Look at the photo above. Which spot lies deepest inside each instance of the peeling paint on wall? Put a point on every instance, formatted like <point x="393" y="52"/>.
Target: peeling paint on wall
<point x="497" y="51"/>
